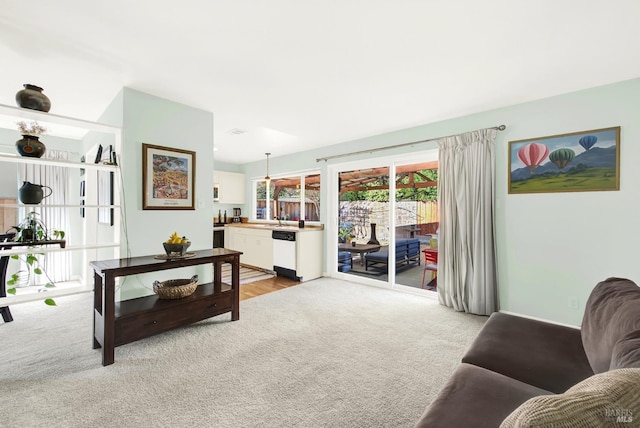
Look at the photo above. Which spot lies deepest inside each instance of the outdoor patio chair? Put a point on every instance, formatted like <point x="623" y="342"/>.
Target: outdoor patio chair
<point x="430" y="264"/>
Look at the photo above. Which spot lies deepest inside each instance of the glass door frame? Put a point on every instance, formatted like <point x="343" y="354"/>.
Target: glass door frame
<point x="333" y="204"/>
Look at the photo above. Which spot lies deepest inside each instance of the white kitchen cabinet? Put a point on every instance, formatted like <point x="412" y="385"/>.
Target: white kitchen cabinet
<point x="256" y="245"/>
<point x="231" y="187"/>
<point x="309" y="254"/>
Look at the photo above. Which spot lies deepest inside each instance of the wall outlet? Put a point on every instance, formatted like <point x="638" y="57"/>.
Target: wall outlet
<point x="573" y="302"/>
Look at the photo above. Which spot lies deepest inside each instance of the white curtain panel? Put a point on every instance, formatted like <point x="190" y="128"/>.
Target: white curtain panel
<point x="57" y="265"/>
<point x="467" y="279"/>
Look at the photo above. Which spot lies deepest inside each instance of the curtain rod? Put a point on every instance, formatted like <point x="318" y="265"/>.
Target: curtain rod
<point x="377" y="149"/>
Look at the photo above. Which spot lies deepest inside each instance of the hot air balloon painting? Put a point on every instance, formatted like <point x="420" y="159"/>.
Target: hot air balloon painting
<point x="588" y="141"/>
<point x="562" y="157"/>
<point x="532" y="155"/>
<point x="584" y="161"/>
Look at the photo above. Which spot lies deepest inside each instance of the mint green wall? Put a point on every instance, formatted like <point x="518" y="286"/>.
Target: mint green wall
<point x="152" y="120"/>
<point x="555" y="247"/>
<point x="552" y="248"/>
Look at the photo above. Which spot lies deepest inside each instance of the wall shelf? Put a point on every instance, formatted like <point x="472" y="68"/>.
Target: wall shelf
<point x="89" y="234"/>
<point x="5" y="157"/>
<point x="69" y="127"/>
<point x="39" y="250"/>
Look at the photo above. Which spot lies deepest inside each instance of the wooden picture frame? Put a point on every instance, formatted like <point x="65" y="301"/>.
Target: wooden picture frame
<point x="168" y="178"/>
<point x="585" y="161"/>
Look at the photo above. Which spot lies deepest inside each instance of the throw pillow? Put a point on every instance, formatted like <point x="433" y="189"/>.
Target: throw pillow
<point x="610" y="399"/>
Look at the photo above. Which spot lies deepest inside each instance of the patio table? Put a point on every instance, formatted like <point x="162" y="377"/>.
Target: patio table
<point x="361" y="249"/>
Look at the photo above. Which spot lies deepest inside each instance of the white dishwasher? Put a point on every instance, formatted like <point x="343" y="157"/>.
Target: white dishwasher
<point x="284" y="253"/>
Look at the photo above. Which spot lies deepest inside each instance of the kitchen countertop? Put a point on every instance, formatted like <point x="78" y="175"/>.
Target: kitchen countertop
<point x="274" y="226"/>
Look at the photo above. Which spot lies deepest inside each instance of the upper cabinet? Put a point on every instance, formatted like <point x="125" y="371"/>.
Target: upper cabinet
<point x="229" y="187"/>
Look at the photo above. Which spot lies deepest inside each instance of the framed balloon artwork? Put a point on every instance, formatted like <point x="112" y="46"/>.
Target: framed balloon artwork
<point x="586" y="161"/>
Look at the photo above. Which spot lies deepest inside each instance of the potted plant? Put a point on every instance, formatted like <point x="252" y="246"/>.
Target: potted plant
<point x="31" y="229"/>
<point x="344" y="234"/>
<point x="30" y="144"/>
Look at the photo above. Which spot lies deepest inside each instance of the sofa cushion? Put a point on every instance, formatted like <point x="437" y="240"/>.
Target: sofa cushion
<point x="607" y="399"/>
<point x="542" y="354"/>
<point x="476" y="398"/>
<point x="612" y="313"/>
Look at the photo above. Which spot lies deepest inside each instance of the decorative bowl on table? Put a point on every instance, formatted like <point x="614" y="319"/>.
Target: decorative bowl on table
<point x="175" y="288"/>
<point x="176" y="250"/>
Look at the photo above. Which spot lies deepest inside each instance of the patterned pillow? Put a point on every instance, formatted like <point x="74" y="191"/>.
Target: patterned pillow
<point x="609" y="399"/>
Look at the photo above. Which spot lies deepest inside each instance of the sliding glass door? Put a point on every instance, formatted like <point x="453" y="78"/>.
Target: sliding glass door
<point x="363" y="224"/>
<point x="384" y="216"/>
<point x="416" y="217"/>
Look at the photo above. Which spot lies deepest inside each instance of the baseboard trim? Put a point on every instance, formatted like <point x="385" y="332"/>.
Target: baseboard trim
<point x="577" y="327"/>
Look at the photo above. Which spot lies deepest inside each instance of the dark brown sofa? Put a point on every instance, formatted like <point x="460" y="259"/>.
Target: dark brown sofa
<point x="528" y="371"/>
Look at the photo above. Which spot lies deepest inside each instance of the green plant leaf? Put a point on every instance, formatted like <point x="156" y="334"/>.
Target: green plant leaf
<point x="14" y="279"/>
<point x="11" y="290"/>
<point x="50" y="302"/>
<point x="50" y="285"/>
<point x="37" y="271"/>
<point x="15" y="257"/>
<point x="31" y="259"/>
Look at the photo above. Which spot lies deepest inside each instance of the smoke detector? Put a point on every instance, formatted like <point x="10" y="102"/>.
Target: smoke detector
<point x="236" y="131"/>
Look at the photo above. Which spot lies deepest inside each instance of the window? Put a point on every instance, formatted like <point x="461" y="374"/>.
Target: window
<point x="284" y="198"/>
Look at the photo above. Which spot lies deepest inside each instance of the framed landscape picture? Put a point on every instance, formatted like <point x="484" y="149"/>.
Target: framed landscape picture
<point x="168" y="178"/>
<point x="584" y="161"/>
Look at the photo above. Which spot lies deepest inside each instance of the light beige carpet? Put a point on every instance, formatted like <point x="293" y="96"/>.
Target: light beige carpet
<point x="326" y="353"/>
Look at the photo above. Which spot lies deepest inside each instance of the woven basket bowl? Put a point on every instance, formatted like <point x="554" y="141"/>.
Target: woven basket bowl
<point x="175" y="288"/>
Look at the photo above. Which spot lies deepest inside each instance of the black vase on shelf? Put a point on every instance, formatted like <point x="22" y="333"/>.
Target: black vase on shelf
<point x="30" y="146"/>
<point x="31" y="97"/>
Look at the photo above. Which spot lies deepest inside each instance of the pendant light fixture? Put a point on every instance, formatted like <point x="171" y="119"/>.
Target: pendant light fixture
<point x="267" y="178"/>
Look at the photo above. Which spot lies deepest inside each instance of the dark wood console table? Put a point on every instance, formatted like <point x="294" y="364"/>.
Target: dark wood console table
<point x="6" y="243"/>
<point x="117" y="323"/>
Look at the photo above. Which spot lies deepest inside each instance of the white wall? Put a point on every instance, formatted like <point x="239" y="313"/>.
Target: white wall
<point x="551" y="247"/>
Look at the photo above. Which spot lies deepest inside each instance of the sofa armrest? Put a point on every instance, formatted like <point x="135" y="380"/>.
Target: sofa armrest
<point x="474" y="397"/>
<point x="542" y="354"/>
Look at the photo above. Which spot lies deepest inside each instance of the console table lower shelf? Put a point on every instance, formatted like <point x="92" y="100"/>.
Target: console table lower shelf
<point x="117" y="323"/>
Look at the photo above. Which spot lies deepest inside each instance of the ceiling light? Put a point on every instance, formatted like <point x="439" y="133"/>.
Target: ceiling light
<point x="266" y="177"/>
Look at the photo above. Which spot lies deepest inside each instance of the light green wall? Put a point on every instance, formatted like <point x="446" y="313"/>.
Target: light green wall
<point x="152" y="120"/>
<point x="551" y="247"/>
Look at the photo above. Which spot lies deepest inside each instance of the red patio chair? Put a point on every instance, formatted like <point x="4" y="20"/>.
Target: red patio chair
<point x="430" y="264"/>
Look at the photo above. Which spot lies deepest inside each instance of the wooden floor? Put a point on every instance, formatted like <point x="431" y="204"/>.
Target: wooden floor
<point x="265" y="286"/>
